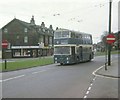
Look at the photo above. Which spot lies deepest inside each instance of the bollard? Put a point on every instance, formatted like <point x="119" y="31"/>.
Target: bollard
<point x="105" y="66"/>
<point x="5" y="64"/>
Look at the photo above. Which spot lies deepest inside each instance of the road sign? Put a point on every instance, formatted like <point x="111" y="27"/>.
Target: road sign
<point x="110" y="39"/>
<point x="5" y="44"/>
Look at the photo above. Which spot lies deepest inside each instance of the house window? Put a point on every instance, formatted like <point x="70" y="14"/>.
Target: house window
<point x="50" y="40"/>
<point x="25" y="39"/>
<point x="41" y="39"/>
<point x="25" y="30"/>
<point x="52" y="32"/>
<point x="48" y="31"/>
<point x="5" y="30"/>
<point x="46" y="40"/>
<point x="18" y="36"/>
<point x="39" y="29"/>
<point x="43" y="30"/>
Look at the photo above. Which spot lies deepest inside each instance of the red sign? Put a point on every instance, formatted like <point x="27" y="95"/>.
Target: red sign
<point x="5" y="44"/>
<point x="110" y="39"/>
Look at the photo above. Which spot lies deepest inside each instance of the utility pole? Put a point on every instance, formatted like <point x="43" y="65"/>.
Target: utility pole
<point x="109" y="46"/>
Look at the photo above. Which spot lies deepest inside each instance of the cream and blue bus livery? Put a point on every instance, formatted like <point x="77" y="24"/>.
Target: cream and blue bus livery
<point x="72" y="47"/>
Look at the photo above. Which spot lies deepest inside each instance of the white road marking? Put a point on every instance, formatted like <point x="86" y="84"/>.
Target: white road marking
<point x="39" y="71"/>
<point x="97" y="70"/>
<point x="91" y="84"/>
<point x="12" y="78"/>
<point x="85" y="96"/>
<point x="20" y="76"/>
<point x="104" y="76"/>
<point x="94" y="73"/>
<point x="89" y="88"/>
<point x="87" y="92"/>
<point x="94" y="79"/>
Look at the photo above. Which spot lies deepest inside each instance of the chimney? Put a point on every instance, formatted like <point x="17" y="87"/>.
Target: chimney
<point x="42" y="25"/>
<point x="51" y="27"/>
<point x="56" y="28"/>
<point x="32" y="21"/>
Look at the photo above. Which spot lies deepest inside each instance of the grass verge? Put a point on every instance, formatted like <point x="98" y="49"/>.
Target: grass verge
<point x="103" y="53"/>
<point x="22" y="64"/>
<point x="16" y="65"/>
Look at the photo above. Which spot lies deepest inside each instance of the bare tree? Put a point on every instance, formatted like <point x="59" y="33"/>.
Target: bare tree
<point x="105" y="33"/>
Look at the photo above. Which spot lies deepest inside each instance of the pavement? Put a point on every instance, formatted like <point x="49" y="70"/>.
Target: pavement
<point x="109" y="71"/>
<point x="106" y="82"/>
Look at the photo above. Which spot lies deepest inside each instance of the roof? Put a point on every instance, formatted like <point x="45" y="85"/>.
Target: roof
<point x="28" y="25"/>
<point x="24" y="23"/>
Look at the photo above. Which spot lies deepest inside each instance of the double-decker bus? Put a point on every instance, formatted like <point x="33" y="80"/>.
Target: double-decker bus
<point x="72" y="47"/>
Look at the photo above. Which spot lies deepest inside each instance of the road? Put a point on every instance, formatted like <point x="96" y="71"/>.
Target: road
<point x="53" y="81"/>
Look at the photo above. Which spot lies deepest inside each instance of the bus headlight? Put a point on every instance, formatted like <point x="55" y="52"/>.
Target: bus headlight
<point x="67" y="58"/>
<point x="55" y="58"/>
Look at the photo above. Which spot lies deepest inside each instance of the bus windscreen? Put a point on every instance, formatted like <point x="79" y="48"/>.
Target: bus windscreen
<point x="62" y="50"/>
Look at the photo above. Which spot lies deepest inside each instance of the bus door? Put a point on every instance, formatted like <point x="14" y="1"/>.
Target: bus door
<point x="73" y="52"/>
<point x="81" y="52"/>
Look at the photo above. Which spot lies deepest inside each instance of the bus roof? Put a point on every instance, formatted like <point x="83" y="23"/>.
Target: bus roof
<point x="77" y="32"/>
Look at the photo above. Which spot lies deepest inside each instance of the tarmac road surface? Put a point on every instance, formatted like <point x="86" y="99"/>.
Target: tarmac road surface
<point x="52" y="81"/>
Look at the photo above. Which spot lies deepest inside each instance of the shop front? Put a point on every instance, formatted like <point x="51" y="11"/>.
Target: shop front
<point x="30" y="51"/>
<point x="24" y="51"/>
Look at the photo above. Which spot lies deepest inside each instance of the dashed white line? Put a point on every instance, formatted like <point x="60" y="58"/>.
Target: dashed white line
<point x="12" y="78"/>
<point x="91" y="84"/>
<point x="94" y="73"/>
<point x="85" y="96"/>
<point x="20" y="76"/>
<point x="89" y="88"/>
<point x="94" y="79"/>
<point x="87" y="92"/>
<point x="39" y="71"/>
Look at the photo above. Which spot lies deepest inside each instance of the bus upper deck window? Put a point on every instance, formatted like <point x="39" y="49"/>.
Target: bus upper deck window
<point x="57" y="35"/>
<point x="65" y="34"/>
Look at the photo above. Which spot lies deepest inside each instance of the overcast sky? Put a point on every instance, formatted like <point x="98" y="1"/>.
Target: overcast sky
<point x="89" y="16"/>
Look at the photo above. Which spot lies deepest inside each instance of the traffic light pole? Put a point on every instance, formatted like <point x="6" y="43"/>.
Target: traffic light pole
<point x="109" y="46"/>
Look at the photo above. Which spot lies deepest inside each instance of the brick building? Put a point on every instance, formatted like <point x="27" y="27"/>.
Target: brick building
<point x="27" y="39"/>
